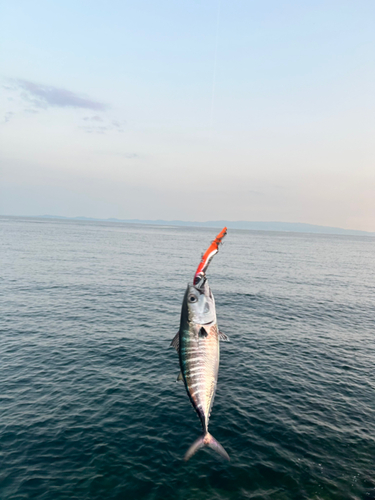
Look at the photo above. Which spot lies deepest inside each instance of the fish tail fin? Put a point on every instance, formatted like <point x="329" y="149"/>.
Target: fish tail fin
<point x="203" y="441"/>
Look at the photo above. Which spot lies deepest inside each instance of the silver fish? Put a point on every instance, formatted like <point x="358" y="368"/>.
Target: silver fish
<point x="197" y="344"/>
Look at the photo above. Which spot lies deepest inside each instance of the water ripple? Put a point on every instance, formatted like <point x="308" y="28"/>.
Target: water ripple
<point x="89" y="406"/>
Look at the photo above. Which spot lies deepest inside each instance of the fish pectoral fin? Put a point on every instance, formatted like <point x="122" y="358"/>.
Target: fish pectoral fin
<point x="223" y="337"/>
<point x="176" y="341"/>
<point x="179" y="377"/>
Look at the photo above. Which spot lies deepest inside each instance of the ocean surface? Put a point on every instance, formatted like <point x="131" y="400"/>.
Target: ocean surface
<point x="89" y="403"/>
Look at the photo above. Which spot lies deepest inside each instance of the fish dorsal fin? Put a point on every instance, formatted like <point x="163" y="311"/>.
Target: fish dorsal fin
<point x="176" y="341"/>
<point x="223" y="337"/>
<point x="179" y="377"/>
<point x="202" y="334"/>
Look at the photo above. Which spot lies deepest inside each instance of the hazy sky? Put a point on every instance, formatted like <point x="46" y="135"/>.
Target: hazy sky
<point x="187" y="109"/>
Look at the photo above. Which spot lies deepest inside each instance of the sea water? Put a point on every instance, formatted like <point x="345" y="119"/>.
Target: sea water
<point x="89" y="403"/>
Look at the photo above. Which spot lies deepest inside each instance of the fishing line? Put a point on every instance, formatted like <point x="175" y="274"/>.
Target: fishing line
<point x="215" y="65"/>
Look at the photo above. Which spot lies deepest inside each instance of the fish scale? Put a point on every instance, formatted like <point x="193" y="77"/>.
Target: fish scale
<point x="200" y="361"/>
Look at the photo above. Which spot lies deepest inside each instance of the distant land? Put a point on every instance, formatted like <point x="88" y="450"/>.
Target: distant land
<point x="247" y="225"/>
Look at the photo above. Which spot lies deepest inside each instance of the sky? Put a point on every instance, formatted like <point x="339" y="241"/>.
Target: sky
<point x="258" y="110"/>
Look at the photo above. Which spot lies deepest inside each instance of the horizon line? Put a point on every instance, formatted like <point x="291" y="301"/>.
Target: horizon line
<point x="297" y="227"/>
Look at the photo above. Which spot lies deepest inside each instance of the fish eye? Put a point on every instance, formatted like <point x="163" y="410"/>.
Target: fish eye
<point x="192" y="298"/>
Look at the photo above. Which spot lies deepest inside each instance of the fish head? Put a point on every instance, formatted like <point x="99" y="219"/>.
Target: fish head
<point x="200" y="304"/>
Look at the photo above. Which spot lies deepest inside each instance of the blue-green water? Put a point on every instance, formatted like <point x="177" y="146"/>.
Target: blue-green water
<point x="89" y="404"/>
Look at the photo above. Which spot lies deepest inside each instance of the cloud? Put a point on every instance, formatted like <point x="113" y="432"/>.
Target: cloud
<point x="93" y="127"/>
<point x="8" y="116"/>
<point x="95" y="118"/>
<point x="45" y="96"/>
<point x="100" y="129"/>
<point x="39" y="98"/>
<point x="96" y="130"/>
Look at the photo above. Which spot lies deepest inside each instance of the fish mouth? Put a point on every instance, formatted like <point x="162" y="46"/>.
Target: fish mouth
<point x="200" y="287"/>
<point x="199" y="282"/>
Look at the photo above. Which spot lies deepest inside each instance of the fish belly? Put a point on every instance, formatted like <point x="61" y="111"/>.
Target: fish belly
<point x="199" y="366"/>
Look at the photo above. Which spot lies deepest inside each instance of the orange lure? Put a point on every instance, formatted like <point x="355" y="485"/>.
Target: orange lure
<point x="207" y="257"/>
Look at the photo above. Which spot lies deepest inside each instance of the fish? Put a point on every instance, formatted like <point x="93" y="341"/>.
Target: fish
<point x="198" y="346"/>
